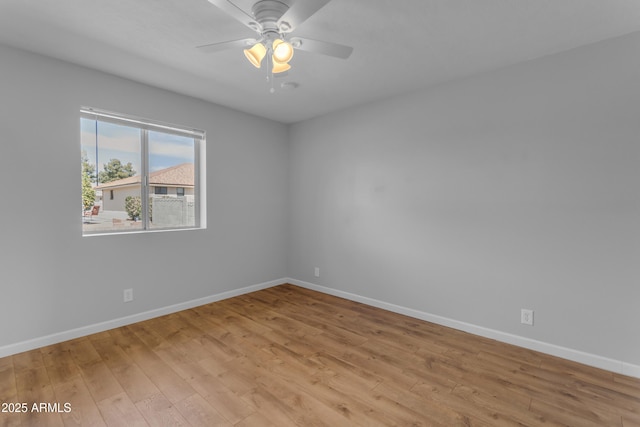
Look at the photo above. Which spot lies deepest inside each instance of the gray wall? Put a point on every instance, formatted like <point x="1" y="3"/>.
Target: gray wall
<point x="51" y="278"/>
<point x="515" y="189"/>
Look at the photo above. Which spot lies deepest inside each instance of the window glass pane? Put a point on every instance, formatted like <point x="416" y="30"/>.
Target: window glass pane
<point x="138" y="175"/>
<point x="171" y="171"/>
<point x="112" y="191"/>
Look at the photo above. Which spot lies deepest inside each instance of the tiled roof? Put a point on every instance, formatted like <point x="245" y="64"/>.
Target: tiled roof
<point x="176" y="176"/>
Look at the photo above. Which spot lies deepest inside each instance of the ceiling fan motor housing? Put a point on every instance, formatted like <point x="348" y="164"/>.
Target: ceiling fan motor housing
<point x="267" y="13"/>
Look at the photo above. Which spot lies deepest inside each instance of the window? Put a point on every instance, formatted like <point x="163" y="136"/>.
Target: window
<point x="144" y="166"/>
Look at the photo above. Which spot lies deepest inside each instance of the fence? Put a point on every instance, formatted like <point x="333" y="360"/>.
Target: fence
<point x="167" y="211"/>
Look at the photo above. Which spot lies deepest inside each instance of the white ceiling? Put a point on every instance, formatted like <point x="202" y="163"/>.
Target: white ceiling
<point x="399" y="45"/>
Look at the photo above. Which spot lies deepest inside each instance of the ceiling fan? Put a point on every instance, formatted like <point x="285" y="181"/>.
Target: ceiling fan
<point x="273" y="21"/>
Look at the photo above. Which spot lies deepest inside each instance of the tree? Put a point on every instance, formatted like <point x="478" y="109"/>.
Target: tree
<point x="88" y="193"/>
<point x="87" y="168"/>
<point x="115" y="170"/>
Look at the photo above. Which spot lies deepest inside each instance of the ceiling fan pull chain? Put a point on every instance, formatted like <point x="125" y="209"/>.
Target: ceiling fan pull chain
<point x="270" y="69"/>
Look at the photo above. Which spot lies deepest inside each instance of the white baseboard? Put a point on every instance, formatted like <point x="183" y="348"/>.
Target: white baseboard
<point x="630" y="370"/>
<point x="551" y="349"/>
<point x="32" y="344"/>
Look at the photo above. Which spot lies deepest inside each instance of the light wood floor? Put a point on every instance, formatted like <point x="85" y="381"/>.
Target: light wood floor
<point x="289" y="356"/>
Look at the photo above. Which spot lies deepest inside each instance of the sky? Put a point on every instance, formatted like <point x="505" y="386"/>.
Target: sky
<point x="123" y="143"/>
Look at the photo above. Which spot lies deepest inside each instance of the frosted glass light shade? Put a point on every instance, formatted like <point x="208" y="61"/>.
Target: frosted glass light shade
<point x="256" y="54"/>
<point x="279" y="67"/>
<point x="282" y="51"/>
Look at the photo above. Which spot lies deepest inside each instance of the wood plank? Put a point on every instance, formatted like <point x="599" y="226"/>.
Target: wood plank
<point x="128" y="374"/>
<point x="258" y="419"/>
<point x="562" y="414"/>
<point x="198" y="412"/>
<point x="8" y="390"/>
<point x="59" y="362"/>
<point x="100" y="380"/>
<point x="438" y="414"/>
<point x="304" y="407"/>
<point x="119" y="410"/>
<point x="83" y="409"/>
<point x="630" y="421"/>
<point x="229" y="404"/>
<point x="268" y="407"/>
<point x="173" y="387"/>
<point x="10" y="419"/>
<point x="158" y="411"/>
<point x="33" y="387"/>
<point x="8" y="393"/>
<point x="27" y="360"/>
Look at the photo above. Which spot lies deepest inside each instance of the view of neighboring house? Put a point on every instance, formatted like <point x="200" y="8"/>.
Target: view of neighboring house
<point x="174" y="181"/>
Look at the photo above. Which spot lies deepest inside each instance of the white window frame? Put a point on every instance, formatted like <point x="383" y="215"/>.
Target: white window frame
<point x="146" y="125"/>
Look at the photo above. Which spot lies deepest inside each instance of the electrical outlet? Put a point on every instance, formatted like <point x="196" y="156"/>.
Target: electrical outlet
<point x="316" y="272"/>
<point x="526" y="316"/>
<point x="128" y="295"/>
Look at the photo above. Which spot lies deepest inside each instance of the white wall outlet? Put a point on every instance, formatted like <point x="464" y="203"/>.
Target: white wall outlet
<point x="526" y="316"/>
<point x="316" y="272"/>
<point x="128" y="295"/>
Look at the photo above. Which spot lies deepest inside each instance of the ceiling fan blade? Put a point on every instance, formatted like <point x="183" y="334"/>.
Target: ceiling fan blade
<point x="233" y="44"/>
<point x="237" y="13"/>
<point x="298" y="13"/>
<point x="325" y="48"/>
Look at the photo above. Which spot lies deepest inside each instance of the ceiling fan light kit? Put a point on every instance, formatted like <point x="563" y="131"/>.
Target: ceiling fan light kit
<point x="274" y="20"/>
<point x="281" y="53"/>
